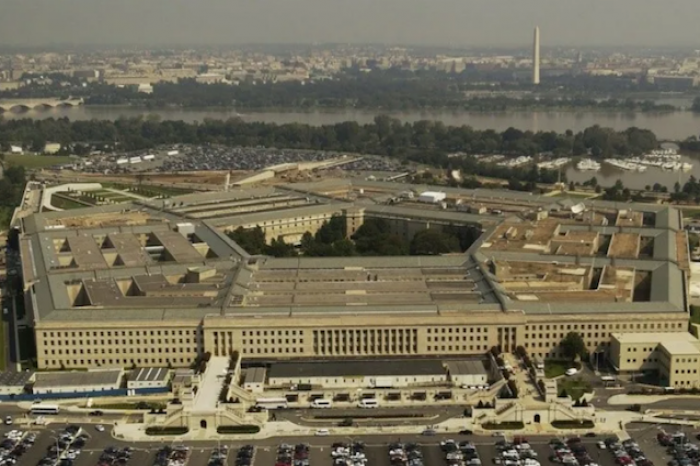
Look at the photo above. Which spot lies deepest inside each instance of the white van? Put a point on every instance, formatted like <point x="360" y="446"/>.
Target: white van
<point x="321" y="403"/>
<point x="368" y="403"/>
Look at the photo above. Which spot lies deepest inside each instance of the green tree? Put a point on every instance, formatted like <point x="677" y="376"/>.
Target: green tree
<point x="696" y="105"/>
<point x="279" y="248"/>
<point x="252" y="240"/>
<point x="432" y="242"/>
<point x="573" y="346"/>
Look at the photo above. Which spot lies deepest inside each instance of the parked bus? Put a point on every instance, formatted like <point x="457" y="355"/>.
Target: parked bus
<point x="271" y="403"/>
<point x="368" y="403"/>
<point x="42" y="409"/>
<point x="321" y="403"/>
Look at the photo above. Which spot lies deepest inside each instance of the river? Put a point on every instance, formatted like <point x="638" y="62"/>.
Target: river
<point x="675" y="125"/>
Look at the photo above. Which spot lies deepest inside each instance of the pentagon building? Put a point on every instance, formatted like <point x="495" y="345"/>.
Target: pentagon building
<point x="159" y="282"/>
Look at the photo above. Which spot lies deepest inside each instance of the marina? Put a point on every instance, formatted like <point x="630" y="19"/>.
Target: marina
<point x="588" y="165"/>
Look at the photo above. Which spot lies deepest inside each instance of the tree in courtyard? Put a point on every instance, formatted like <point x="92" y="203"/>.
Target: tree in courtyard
<point x="433" y="242"/>
<point x="573" y="346"/>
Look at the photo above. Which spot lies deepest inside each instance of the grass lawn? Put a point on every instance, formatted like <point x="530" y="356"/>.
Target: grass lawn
<point x="36" y="161"/>
<point x="576" y="194"/>
<point x="555" y="368"/>
<point x="154" y="405"/>
<point x="575" y="387"/>
<point x="27" y="350"/>
<point x="3" y="332"/>
<point x="65" y="203"/>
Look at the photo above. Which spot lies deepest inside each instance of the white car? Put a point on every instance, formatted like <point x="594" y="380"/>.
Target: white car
<point x="100" y="428"/>
<point x="571" y="371"/>
<point x="323" y="432"/>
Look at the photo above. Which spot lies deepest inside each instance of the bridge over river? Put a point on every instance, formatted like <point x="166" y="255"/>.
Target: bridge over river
<point x="18" y="105"/>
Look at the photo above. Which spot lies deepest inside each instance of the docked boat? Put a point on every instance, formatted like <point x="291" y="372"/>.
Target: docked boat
<point x="588" y="165"/>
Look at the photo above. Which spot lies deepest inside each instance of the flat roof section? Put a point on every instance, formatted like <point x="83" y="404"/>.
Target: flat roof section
<point x="681" y="347"/>
<point x="466" y="367"/>
<point x="407" y="367"/>
<point x="149" y="374"/>
<point x="78" y="379"/>
<point x="15" y="379"/>
<point x="255" y="375"/>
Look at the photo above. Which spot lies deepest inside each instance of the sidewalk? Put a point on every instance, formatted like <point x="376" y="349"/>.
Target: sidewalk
<point x="606" y="424"/>
<point x="624" y="399"/>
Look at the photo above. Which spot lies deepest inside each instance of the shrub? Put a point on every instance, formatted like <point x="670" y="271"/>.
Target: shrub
<point x="157" y="430"/>
<point x="242" y="429"/>
<point x="511" y="425"/>
<point x="573" y="424"/>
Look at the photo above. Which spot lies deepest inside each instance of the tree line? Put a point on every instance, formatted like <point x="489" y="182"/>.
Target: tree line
<point x="373" y="238"/>
<point x="11" y="192"/>
<point x="388" y="90"/>
<point x="429" y="142"/>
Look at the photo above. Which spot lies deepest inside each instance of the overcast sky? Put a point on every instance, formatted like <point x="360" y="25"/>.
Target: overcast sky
<point x="420" y="22"/>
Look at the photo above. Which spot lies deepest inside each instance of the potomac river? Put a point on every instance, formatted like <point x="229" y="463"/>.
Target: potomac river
<point x="672" y="125"/>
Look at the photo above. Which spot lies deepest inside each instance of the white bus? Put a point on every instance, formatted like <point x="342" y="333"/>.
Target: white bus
<point x="271" y="403"/>
<point x="42" y="409"/>
<point x="368" y="403"/>
<point x="321" y="403"/>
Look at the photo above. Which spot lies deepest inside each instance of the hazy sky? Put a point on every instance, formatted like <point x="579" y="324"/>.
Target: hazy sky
<point x="429" y="22"/>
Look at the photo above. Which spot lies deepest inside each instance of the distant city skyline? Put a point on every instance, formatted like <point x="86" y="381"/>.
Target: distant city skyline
<point x="457" y="23"/>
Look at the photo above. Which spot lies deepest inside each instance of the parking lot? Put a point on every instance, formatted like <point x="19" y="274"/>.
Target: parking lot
<point x="376" y="450"/>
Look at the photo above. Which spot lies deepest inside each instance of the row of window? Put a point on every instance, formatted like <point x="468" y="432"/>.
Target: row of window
<point x="457" y="348"/>
<point x="265" y="333"/>
<point x="650" y="326"/>
<point x="154" y="341"/>
<point x="456" y="339"/>
<point x="264" y="341"/>
<point x="371" y="349"/>
<point x="130" y="350"/>
<point x="123" y="333"/>
<point x="457" y="330"/>
<point x="119" y="362"/>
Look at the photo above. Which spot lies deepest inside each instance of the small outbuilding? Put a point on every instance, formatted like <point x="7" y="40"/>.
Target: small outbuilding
<point x="254" y="379"/>
<point x="432" y="197"/>
<point x="148" y="377"/>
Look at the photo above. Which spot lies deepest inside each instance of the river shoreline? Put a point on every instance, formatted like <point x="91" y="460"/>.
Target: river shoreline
<point x="382" y="111"/>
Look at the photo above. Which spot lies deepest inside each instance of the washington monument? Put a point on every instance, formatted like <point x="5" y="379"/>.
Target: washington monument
<point x="536" y="57"/>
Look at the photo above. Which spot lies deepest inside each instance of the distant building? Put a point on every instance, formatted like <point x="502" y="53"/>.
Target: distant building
<point x="536" y="57"/>
<point x="86" y="74"/>
<point x="674" y="83"/>
<point x="52" y="148"/>
<point x="145" y="88"/>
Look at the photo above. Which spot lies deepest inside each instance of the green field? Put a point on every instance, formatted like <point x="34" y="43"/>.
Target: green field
<point x="575" y="387"/>
<point x="27" y="349"/>
<point x="65" y="203"/>
<point x="555" y="368"/>
<point x="36" y="161"/>
<point x="3" y="330"/>
<point x="576" y="194"/>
